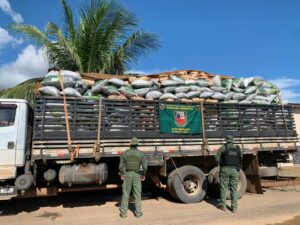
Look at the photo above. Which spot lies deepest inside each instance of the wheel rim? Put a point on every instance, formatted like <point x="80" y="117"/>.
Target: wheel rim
<point x="191" y="184"/>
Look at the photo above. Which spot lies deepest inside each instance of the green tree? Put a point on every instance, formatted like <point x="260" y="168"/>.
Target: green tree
<point x="104" y="38"/>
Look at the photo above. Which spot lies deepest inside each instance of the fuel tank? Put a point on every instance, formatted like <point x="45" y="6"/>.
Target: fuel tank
<point x="83" y="174"/>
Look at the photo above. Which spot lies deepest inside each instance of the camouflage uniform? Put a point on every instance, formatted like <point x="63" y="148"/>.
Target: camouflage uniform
<point x="229" y="157"/>
<point x="130" y="171"/>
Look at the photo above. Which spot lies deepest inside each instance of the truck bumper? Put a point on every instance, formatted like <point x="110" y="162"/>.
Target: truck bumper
<point x="7" y="193"/>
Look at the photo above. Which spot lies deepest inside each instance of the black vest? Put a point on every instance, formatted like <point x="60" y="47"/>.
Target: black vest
<point x="231" y="157"/>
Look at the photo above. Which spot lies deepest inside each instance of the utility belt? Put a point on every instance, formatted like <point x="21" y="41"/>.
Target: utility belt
<point x="233" y="167"/>
<point x="136" y="171"/>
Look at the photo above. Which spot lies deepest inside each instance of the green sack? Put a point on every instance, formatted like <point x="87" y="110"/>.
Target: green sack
<point x="175" y="78"/>
<point x="229" y="95"/>
<point x="127" y="91"/>
<point x="142" y="91"/>
<point x="231" y="101"/>
<point x="140" y="84"/>
<point x="110" y="90"/>
<point x="250" y="89"/>
<point x="227" y="83"/>
<point x="90" y="95"/>
<point x="182" y="89"/>
<point x="54" y="81"/>
<point x="98" y="85"/>
<point x="238" y="90"/>
<point x="217" y="88"/>
<point x="258" y="82"/>
<point x="237" y="82"/>
<point x="116" y="82"/>
<point x="169" y="83"/>
<point x="167" y="96"/>
<point x="239" y="96"/>
<point x="202" y="83"/>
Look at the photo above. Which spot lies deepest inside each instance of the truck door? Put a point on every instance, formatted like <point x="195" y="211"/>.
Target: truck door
<point x="8" y="134"/>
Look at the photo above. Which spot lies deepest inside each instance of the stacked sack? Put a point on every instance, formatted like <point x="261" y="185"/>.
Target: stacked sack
<point x="73" y="84"/>
<point x="182" y="88"/>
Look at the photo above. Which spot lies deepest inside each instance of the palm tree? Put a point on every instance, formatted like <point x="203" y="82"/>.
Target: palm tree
<point x="105" y="38"/>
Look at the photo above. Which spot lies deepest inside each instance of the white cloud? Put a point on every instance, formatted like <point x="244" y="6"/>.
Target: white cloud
<point x="147" y="72"/>
<point x="29" y="64"/>
<point x="5" y="6"/>
<point x="6" y="38"/>
<point x="289" y="89"/>
<point x="286" y="82"/>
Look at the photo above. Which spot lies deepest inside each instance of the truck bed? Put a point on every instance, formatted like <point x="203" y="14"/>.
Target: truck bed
<point x="255" y="127"/>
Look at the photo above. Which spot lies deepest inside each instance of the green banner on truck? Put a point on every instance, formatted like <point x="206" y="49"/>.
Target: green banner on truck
<point x="180" y="119"/>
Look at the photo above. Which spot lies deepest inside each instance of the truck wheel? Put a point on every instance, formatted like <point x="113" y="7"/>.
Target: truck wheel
<point x="215" y="183"/>
<point x="194" y="186"/>
<point x="213" y="175"/>
<point x="24" y="181"/>
<point x="169" y="184"/>
<point x="242" y="185"/>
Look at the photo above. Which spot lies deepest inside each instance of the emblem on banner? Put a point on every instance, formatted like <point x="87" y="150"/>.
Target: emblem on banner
<point x="180" y="118"/>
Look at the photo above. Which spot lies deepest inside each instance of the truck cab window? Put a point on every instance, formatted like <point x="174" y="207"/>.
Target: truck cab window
<point x="7" y="115"/>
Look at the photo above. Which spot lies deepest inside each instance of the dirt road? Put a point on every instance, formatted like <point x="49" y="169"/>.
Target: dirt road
<point x="275" y="206"/>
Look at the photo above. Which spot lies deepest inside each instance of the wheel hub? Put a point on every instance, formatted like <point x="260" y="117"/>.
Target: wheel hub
<point x="190" y="186"/>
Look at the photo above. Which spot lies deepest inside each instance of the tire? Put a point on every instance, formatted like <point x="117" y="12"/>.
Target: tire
<point x="169" y="184"/>
<point x="214" y="183"/>
<point x="242" y="186"/>
<point x="213" y="175"/>
<point x="195" y="184"/>
<point x="24" y="182"/>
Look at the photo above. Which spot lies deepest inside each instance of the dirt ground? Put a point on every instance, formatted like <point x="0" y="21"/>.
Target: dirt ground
<point x="277" y="206"/>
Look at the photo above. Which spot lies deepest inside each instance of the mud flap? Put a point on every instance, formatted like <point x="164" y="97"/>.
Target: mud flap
<point x="251" y="169"/>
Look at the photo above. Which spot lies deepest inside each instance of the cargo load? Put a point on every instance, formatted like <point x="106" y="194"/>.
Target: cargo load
<point x="180" y="86"/>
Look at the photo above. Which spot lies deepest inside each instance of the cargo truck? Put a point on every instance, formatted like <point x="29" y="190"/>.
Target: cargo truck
<point x="75" y="145"/>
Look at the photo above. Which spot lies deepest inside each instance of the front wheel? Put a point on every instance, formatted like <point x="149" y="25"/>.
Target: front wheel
<point x="189" y="184"/>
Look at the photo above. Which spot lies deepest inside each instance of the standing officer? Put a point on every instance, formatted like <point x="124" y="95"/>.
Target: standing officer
<point x="229" y="157"/>
<point x="132" y="175"/>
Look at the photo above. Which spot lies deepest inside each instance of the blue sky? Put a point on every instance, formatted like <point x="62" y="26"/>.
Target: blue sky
<point x="232" y="37"/>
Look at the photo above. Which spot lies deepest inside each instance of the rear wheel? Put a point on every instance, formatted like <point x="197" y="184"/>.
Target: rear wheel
<point x="189" y="184"/>
<point x="169" y="184"/>
<point x="214" y="183"/>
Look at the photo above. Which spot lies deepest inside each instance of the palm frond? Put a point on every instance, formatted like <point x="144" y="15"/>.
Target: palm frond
<point x="104" y="39"/>
<point x="31" y="33"/>
<point x="69" y="27"/>
<point x="68" y="49"/>
<point x="137" y="45"/>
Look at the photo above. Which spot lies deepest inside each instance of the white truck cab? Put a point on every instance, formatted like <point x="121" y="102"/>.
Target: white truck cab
<point x="13" y="136"/>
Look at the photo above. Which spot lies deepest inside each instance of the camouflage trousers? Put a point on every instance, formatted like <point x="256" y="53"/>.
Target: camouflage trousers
<point x="132" y="182"/>
<point x="229" y="177"/>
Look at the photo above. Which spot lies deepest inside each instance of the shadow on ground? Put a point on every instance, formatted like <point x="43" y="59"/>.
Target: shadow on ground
<point x="66" y="200"/>
<point x="72" y="200"/>
<point x="294" y="221"/>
